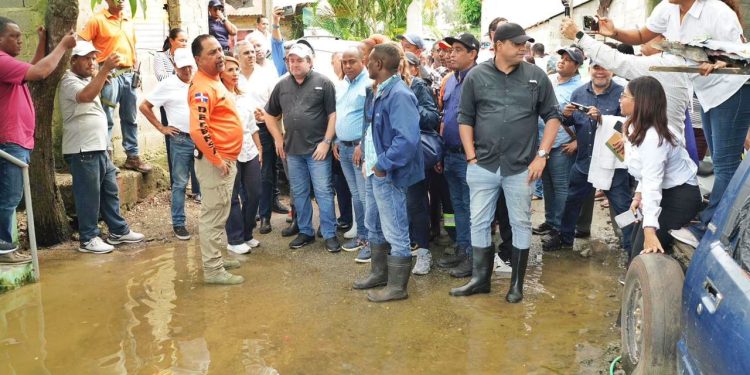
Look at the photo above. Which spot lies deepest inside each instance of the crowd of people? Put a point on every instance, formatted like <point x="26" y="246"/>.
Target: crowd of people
<point x="410" y="139"/>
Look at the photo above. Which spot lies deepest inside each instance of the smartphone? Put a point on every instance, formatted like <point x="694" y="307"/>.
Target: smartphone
<point x="618" y="126"/>
<point x="628" y="217"/>
<point x="581" y="107"/>
<point x="590" y="23"/>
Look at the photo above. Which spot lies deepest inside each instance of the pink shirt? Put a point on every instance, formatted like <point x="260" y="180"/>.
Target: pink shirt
<point x="18" y="118"/>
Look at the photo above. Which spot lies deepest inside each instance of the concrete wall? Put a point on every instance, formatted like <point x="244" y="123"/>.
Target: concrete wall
<point x="548" y="32"/>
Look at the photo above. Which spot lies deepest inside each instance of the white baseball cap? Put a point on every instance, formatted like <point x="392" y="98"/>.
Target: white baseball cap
<point x="183" y="57"/>
<point x="83" y="48"/>
<point x="300" y="50"/>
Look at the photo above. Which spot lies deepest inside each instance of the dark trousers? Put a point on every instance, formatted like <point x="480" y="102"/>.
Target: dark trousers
<point x="679" y="205"/>
<point x="587" y="213"/>
<point x="245" y="196"/>
<point x="417" y="207"/>
<point x="506" y="232"/>
<point x="440" y="202"/>
<point x="343" y="195"/>
<point x="269" y="173"/>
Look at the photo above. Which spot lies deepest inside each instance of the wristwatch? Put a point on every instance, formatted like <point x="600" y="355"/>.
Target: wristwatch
<point x="542" y="154"/>
<point x="327" y="141"/>
<point x="579" y="35"/>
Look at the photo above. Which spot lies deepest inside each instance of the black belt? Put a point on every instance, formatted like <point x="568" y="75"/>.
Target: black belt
<point x="350" y="143"/>
<point x="455" y="149"/>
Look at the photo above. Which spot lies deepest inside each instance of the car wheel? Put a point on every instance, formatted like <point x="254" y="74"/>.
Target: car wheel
<point x="651" y="315"/>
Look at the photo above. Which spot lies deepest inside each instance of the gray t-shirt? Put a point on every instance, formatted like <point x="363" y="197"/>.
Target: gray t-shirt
<point x="305" y="109"/>
<point x="504" y="111"/>
<point x="84" y="124"/>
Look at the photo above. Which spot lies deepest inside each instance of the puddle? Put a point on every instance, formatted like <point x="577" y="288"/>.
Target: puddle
<point x="146" y="312"/>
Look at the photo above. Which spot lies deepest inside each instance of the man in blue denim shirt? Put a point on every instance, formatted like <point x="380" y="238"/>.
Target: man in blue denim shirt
<point x="393" y="162"/>
<point x="602" y="95"/>
<point x="350" y="104"/>
<point x="463" y="58"/>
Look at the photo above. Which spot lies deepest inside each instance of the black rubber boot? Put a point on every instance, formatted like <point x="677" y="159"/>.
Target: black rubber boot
<point x="293" y="228"/>
<point x="481" y="274"/>
<point x="518" y="261"/>
<point x="463" y="269"/>
<point x="378" y="268"/>
<point x="399" y="270"/>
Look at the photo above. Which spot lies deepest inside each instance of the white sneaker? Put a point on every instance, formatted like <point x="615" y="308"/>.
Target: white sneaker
<point x="502" y="269"/>
<point x="253" y="243"/>
<point x="242" y="248"/>
<point x="424" y="262"/>
<point x="684" y="235"/>
<point x="351" y="233"/>
<point x="130" y="237"/>
<point x="96" y="246"/>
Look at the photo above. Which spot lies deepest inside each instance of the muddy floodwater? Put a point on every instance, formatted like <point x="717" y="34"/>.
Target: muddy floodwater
<point x="145" y="311"/>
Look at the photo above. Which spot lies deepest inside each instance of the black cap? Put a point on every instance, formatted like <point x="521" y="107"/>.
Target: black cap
<point x="468" y="40"/>
<point x="215" y="4"/>
<point x="574" y="53"/>
<point x="412" y="58"/>
<point x="513" y="32"/>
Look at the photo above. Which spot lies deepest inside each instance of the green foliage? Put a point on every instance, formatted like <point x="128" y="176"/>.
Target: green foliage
<point x="471" y="11"/>
<point x="133" y="5"/>
<point x="357" y="19"/>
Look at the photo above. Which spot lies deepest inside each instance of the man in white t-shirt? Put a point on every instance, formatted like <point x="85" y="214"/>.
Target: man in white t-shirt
<point x="84" y="147"/>
<point x="172" y="93"/>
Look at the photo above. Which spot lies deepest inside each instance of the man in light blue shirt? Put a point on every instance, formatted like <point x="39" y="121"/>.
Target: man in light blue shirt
<point x="556" y="175"/>
<point x="350" y="103"/>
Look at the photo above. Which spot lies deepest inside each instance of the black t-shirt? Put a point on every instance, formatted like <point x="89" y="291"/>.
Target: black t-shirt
<point x="305" y="108"/>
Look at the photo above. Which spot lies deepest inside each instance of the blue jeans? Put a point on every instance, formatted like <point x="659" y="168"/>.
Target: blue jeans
<point x="356" y="181"/>
<point x="181" y="148"/>
<point x="484" y="187"/>
<point x="386" y="217"/>
<point x="725" y="128"/>
<point x="245" y="197"/>
<point x="119" y="92"/>
<point x="455" y="175"/>
<point x="96" y="193"/>
<point x="555" y="179"/>
<point x="580" y="189"/>
<point x="303" y="170"/>
<point x="11" y="187"/>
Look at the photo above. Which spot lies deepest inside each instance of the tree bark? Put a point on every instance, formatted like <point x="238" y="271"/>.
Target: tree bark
<point x="49" y="212"/>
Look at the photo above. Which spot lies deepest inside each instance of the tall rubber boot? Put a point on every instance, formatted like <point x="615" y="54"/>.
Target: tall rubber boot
<point x="399" y="270"/>
<point x="518" y="260"/>
<point x="378" y="268"/>
<point x="483" y="263"/>
<point x="293" y="228"/>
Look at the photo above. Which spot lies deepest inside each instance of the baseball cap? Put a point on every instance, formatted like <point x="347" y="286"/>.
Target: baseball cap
<point x="412" y="39"/>
<point x="215" y="4"/>
<point x="83" y="48"/>
<point x="513" y="32"/>
<point x="305" y="42"/>
<point x="574" y="53"/>
<point x="183" y="57"/>
<point x="412" y="58"/>
<point x="468" y="40"/>
<point x="442" y="44"/>
<point x="300" y="50"/>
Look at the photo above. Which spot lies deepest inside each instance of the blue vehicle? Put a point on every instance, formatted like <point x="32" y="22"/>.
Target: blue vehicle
<point x="689" y="313"/>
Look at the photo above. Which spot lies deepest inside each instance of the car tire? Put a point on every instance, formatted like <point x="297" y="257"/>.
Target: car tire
<point x="651" y="315"/>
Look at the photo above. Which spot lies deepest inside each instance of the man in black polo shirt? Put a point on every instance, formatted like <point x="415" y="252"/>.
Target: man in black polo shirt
<point x="307" y="101"/>
<point x="501" y="101"/>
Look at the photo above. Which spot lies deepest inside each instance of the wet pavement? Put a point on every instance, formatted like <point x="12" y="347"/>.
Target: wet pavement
<point x="144" y="310"/>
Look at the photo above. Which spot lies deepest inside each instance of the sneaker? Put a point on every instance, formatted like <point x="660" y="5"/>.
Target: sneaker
<point x="502" y="269"/>
<point x="424" y="261"/>
<point x="353" y="245"/>
<point x="130" y="237"/>
<point x="542" y="228"/>
<point x="364" y="255"/>
<point x="135" y="163"/>
<point x="224" y="278"/>
<point x="351" y="233"/>
<point x="342" y="226"/>
<point x="301" y="240"/>
<point x="253" y="243"/>
<point x="96" y="246"/>
<point x="7" y="247"/>
<point x="414" y="248"/>
<point x="181" y="233"/>
<point x="15" y="258"/>
<point x="242" y="248"/>
<point x="198" y="198"/>
<point x="230" y="264"/>
<point x="332" y="245"/>
<point x="685" y="236"/>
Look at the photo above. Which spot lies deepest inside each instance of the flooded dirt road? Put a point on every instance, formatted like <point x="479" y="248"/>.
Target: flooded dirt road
<point x="144" y="310"/>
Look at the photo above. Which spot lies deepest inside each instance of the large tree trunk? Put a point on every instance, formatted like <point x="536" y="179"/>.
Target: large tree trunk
<point x="49" y="212"/>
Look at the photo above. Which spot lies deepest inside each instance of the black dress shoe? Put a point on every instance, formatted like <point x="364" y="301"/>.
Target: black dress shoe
<point x="543" y="228"/>
<point x="265" y="226"/>
<point x="301" y="240"/>
<point x="333" y="245"/>
<point x="279" y="208"/>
